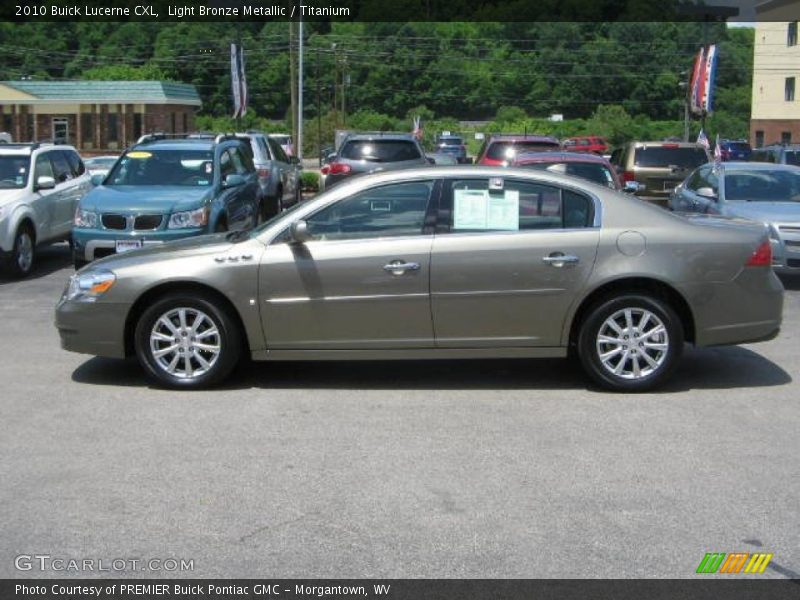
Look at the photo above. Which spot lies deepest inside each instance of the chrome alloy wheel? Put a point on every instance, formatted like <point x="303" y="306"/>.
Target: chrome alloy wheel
<point x="185" y="342"/>
<point x="632" y="343"/>
<point x="24" y="251"/>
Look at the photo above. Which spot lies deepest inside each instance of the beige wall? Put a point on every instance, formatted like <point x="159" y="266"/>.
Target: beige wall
<point x="773" y="62"/>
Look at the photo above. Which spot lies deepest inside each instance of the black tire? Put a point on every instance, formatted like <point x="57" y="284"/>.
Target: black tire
<point x="23" y="254"/>
<point x="221" y="226"/>
<point x="228" y="339"/>
<point x="635" y="346"/>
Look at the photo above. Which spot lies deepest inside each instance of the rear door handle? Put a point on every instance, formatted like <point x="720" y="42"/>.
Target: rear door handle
<point x="398" y="267"/>
<point x="559" y="259"/>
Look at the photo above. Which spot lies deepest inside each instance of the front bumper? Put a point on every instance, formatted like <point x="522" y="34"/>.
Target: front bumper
<point x="87" y="242"/>
<point x="786" y="253"/>
<point x="96" y="328"/>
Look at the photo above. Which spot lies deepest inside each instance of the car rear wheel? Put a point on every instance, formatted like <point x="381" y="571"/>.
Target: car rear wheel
<point x="187" y="341"/>
<point x="21" y="260"/>
<point x="631" y="343"/>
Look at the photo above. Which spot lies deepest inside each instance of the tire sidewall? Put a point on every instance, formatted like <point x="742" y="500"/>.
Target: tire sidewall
<point x="230" y="340"/>
<point x="13" y="262"/>
<point x="587" y="349"/>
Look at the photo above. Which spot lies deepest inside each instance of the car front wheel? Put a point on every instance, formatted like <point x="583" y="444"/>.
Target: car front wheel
<point x="187" y="341"/>
<point x="630" y="343"/>
<point x="20" y="262"/>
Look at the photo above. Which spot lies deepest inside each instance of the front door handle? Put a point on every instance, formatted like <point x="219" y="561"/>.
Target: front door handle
<point x="398" y="267"/>
<point x="559" y="259"/>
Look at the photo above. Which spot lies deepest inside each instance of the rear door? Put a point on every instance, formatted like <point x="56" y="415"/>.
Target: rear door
<point x="509" y="258"/>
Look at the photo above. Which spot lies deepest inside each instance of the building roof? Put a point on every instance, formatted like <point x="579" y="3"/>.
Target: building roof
<point x="100" y="92"/>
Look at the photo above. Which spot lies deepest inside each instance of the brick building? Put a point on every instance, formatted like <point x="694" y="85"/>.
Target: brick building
<point x="95" y="115"/>
<point x="775" y="111"/>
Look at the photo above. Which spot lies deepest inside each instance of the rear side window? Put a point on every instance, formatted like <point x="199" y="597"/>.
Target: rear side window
<point x="75" y="163"/>
<point x="381" y="150"/>
<point x="481" y="205"/>
<point x="661" y="156"/>
<point x="277" y="152"/>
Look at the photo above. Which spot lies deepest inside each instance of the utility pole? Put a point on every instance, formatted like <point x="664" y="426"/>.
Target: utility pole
<point x="292" y="86"/>
<point x="344" y="86"/>
<point x="299" y="144"/>
<point x="319" y="112"/>
<point x="335" y="83"/>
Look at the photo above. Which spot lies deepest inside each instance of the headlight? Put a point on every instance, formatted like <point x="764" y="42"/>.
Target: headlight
<point x="189" y="218"/>
<point x="88" y="287"/>
<point x="86" y="219"/>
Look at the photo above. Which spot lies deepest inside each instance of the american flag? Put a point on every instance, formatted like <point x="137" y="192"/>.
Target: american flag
<point x="717" y="154"/>
<point x="702" y="140"/>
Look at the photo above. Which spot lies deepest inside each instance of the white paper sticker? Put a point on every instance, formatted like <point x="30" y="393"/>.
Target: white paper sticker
<point x="470" y="208"/>
<point x="503" y="211"/>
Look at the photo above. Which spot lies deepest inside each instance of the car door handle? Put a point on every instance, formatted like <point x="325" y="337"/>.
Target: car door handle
<point x="559" y="259"/>
<point x="398" y="267"/>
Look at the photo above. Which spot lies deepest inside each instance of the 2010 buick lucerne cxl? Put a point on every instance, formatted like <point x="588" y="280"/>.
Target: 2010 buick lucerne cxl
<point x="447" y="262"/>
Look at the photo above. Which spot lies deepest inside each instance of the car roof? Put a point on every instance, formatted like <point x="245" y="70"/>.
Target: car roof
<point x="198" y="143"/>
<point x="380" y="136"/>
<point x="532" y="157"/>
<point x="22" y="149"/>
<point x="521" y="137"/>
<point x="664" y="144"/>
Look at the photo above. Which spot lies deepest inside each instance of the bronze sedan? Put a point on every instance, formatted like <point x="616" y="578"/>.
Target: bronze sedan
<point x="446" y="262"/>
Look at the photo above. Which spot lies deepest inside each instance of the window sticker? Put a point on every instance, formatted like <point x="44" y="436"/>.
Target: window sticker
<point x="139" y="154"/>
<point x="503" y="211"/>
<point x="478" y="209"/>
<point x="202" y="182"/>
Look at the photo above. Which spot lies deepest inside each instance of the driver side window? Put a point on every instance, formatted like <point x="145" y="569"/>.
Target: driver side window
<point x="386" y="211"/>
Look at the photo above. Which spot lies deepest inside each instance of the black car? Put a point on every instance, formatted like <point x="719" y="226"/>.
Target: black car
<point x="369" y="152"/>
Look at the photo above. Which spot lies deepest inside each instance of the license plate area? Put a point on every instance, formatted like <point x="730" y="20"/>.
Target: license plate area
<point x="128" y="245"/>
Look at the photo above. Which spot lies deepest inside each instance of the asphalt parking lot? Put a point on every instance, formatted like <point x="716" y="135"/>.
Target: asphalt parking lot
<point x="439" y="469"/>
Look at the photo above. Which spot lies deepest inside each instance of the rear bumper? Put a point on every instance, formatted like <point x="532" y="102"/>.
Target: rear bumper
<point x="96" y="328"/>
<point x="745" y="310"/>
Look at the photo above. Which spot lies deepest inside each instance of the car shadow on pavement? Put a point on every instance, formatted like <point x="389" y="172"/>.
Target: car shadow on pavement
<point x="49" y="259"/>
<point x="791" y="283"/>
<point x="707" y="368"/>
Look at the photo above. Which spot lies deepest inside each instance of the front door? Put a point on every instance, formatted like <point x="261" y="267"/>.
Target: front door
<point x="510" y="263"/>
<point x="362" y="282"/>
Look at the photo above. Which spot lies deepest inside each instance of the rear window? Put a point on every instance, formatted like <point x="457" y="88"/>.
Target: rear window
<point x="660" y="156"/>
<point x="508" y="150"/>
<point x="451" y="141"/>
<point x="738" y="145"/>
<point x="595" y="172"/>
<point x="381" y="150"/>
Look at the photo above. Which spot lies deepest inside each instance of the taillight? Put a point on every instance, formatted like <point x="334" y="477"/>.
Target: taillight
<point x="762" y="257"/>
<point x="263" y="173"/>
<point x="335" y="169"/>
<point x="628" y="176"/>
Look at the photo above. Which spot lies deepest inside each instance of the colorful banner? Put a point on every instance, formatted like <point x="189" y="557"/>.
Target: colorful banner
<point x="701" y="85"/>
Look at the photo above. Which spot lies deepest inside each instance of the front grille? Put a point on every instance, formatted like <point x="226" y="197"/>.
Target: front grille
<point x="111" y="221"/>
<point x="789" y="228"/>
<point x="794" y="263"/>
<point x="792" y="243"/>
<point x="147" y="222"/>
<point x="102" y="252"/>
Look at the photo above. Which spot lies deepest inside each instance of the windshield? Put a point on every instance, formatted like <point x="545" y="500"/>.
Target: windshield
<point x="190" y="168"/>
<point x="381" y="150"/>
<point x="14" y="172"/>
<point x="763" y="186"/>
<point x="664" y="156"/>
<point x="508" y="150"/>
<point x="595" y="172"/>
<point x="100" y="162"/>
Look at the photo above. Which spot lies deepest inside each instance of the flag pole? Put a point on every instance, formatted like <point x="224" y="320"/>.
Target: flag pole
<point x="299" y="144"/>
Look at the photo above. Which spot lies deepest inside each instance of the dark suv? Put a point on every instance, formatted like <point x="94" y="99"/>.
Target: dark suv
<point x="369" y="152"/>
<point x="734" y="150"/>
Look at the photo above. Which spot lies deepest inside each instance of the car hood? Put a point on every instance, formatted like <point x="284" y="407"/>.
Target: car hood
<point x="149" y="198"/>
<point x="215" y="243"/>
<point x="9" y="196"/>
<point x="771" y="212"/>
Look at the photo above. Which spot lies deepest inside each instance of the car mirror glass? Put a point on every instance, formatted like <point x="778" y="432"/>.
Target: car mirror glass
<point x="233" y="180"/>
<point x="631" y="187"/>
<point x="707" y="192"/>
<point x="97" y="179"/>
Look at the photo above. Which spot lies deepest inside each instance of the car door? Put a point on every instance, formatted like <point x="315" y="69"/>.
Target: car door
<point x="45" y="202"/>
<point x="511" y="257"/>
<point x="69" y="192"/>
<point x="286" y="169"/>
<point x="239" y="213"/>
<point x="362" y="282"/>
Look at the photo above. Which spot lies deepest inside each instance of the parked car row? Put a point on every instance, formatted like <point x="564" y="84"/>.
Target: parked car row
<point x="164" y="187"/>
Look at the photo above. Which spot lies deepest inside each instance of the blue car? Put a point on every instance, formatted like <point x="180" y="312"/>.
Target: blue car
<point x="163" y="189"/>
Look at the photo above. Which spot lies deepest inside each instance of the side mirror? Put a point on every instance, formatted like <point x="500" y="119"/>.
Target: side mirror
<point x="707" y="192"/>
<point x="299" y="232"/>
<point x="431" y="160"/>
<point x="632" y="187"/>
<point x="233" y="180"/>
<point x="45" y="183"/>
<point x="97" y="179"/>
